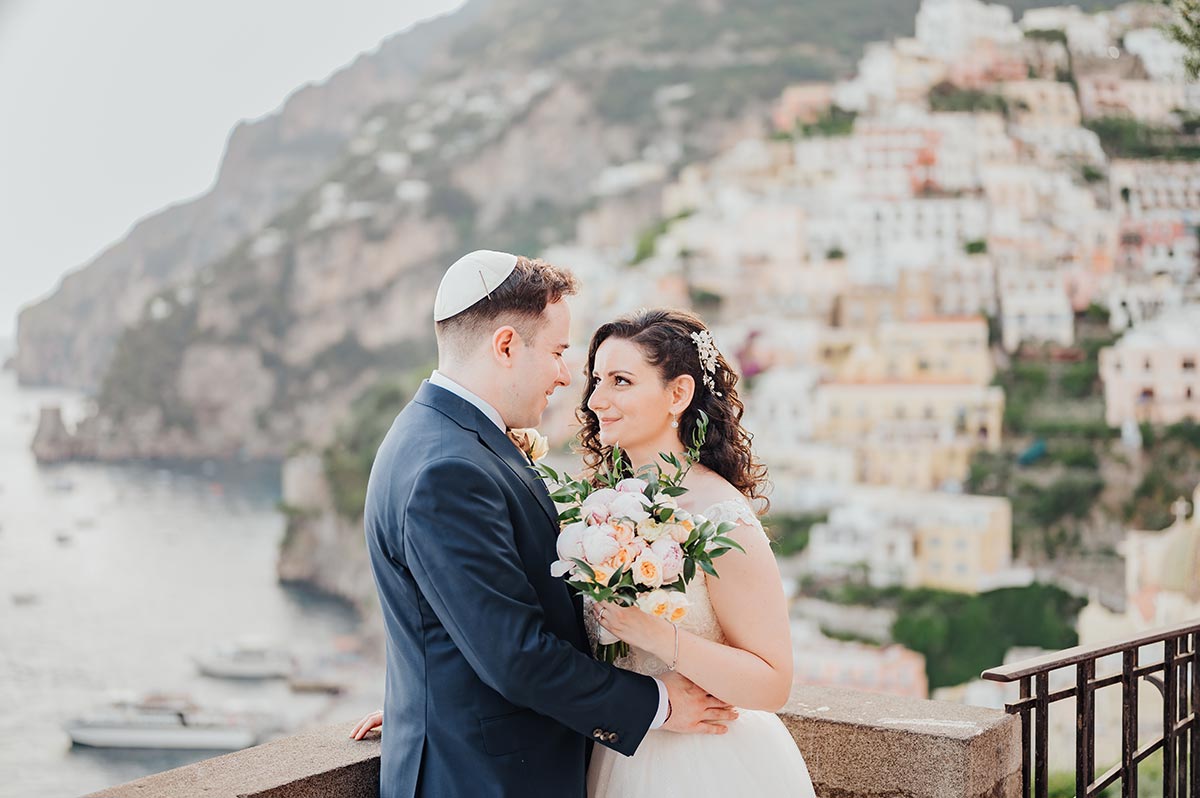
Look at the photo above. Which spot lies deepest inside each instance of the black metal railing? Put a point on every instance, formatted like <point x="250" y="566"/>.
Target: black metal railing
<point x="1177" y="677"/>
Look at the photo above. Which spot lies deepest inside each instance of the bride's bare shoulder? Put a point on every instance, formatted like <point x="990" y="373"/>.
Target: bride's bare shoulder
<point x="707" y="488"/>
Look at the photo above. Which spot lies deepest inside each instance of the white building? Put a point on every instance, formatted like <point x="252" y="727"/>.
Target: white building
<point x="1162" y="56"/>
<point x="949" y="29"/>
<point x="780" y="412"/>
<point x="1035" y="308"/>
<point x="965" y="285"/>
<point x="1145" y="100"/>
<point x="1133" y="301"/>
<point x="856" y="538"/>
<point x="1157" y="189"/>
<point x="882" y="238"/>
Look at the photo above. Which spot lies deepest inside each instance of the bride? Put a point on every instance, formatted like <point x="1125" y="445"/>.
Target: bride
<point x="651" y="373"/>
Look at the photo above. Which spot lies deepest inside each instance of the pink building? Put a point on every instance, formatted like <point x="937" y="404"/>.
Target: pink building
<point x="1153" y="373"/>
<point x="802" y="104"/>
<point x="891" y="669"/>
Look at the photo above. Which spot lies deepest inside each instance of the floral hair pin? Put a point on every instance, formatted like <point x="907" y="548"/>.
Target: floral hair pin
<point x="707" y="349"/>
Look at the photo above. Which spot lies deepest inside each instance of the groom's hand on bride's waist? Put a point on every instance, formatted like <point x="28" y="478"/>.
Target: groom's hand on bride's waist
<point x="692" y="710"/>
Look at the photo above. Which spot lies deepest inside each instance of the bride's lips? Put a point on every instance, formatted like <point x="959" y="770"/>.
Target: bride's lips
<point x="604" y="421"/>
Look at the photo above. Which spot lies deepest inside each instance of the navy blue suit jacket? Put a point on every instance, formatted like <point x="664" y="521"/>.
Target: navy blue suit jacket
<point x="491" y="689"/>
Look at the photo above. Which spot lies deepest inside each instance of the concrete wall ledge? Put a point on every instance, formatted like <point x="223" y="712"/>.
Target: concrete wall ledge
<point x="857" y="745"/>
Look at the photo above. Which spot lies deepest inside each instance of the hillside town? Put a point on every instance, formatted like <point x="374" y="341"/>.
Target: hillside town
<point x="982" y="247"/>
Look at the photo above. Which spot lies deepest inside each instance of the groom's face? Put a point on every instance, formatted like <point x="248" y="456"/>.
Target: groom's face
<point x="539" y="370"/>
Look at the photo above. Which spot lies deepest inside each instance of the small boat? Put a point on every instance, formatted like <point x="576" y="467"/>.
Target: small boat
<point x="24" y="599"/>
<point x="63" y="539"/>
<point x="315" y="682"/>
<point x="163" y="722"/>
<point x="62" y="485"/>
<point x="247" y="659"/>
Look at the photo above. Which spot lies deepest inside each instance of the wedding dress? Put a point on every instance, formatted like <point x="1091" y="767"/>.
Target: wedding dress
<point x="757" y="756"/>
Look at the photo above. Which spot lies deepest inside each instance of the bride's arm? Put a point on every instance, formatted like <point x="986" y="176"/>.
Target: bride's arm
<point x="753" y="669"/>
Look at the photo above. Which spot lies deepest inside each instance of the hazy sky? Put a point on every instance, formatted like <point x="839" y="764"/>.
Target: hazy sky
<point x="111" y="110"/>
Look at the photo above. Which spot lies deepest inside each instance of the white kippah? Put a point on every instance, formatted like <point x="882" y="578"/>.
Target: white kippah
<point x="472" y="277"/>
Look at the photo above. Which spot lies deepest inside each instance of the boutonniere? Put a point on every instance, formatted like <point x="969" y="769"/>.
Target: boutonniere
<point x="533" y="443"/>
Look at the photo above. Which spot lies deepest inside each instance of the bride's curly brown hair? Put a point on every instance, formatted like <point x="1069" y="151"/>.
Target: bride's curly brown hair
<point x="664" y="336"/>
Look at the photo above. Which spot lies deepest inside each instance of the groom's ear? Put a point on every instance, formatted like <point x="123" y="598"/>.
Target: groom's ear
<point x="504" y="340"/>
<point x="682" y="389"/>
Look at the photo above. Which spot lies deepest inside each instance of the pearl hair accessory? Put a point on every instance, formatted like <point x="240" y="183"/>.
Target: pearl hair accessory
<point x="707" y="349"/>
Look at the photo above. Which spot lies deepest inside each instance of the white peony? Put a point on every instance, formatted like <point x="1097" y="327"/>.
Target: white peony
<point x="599" y="543"/>
<point x="671" y="555"/>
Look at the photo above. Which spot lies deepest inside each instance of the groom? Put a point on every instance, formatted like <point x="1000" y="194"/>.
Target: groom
<point x="491" y="690"/>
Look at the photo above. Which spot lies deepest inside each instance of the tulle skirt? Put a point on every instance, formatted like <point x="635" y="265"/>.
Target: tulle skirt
<point x="757" y="756"/>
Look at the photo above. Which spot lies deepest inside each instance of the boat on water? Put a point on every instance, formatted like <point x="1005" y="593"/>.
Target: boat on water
<point x="164" y="722"/>
<point x="247" y="659"/>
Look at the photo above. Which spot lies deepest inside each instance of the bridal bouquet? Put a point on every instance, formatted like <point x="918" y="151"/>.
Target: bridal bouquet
<point x="627" y="540"/>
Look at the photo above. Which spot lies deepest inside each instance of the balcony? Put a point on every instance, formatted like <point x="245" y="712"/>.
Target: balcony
<point x="856" y="744"/>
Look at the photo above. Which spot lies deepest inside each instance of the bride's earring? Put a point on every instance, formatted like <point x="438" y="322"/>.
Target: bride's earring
<point x="674" y="422"/>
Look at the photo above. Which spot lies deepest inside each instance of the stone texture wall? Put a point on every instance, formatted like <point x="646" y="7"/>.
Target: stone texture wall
<point x="857" y="746"/>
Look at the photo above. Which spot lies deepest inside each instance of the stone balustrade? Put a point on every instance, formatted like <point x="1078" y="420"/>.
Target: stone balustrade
<point x="857" y="745"/>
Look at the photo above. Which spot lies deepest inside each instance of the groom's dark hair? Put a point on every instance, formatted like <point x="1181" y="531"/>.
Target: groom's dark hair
<point x="519" y="301"/>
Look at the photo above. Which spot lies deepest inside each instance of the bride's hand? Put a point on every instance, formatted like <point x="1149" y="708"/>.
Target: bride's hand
<point x="372" y="721"/>
<point x="637" y="628"/>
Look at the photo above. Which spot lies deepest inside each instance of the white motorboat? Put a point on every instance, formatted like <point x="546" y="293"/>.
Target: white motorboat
<point x="159" y="722"/>
<point x="247" y="659"/>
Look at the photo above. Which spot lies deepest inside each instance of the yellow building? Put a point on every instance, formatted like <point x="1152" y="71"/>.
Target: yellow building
<point x="948" y="349"/>
<point x="868" y="306"/>
<point x="850" y="411"/>
<point x="915" y="456"/>
<point x="917" y="435"/>
<point x="940" y="540"/>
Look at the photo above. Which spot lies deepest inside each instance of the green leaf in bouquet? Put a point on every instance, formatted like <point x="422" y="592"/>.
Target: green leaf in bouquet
<point x="586" y="588"/>
<point x="674" y="490"/>
<point x="615" y="579"/>
<point x="728" y="543"/>
<point x="679" y="585"/>
<point x="689" y="569"/>
<point x="708" y="567"/>
<point x="664" y="514"/>
<point x="563" y="495"/>
<point x="717" y="552"/>
<point x="583" y="566"/>
<point x="569" y="515"/>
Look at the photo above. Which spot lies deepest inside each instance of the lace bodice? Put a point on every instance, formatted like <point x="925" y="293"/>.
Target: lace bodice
<point x="700" y="620"/>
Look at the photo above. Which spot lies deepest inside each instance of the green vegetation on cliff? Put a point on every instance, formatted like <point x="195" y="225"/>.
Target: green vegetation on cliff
<point x="348" y="460"/>
<point x="963" y="635"/>
<point x="146" y="365"/>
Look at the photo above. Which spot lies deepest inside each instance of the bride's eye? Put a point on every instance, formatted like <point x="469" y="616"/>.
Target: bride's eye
<point x="621" y="380"/>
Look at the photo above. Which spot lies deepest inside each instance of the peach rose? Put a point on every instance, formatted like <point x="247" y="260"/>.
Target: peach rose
<point x="647" y="570"/>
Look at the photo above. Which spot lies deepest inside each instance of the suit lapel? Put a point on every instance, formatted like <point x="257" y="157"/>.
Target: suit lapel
<point x="508" y="452"/>
<point x="469" y="417"/>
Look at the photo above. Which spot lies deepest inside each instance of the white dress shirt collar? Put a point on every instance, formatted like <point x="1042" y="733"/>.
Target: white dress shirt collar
<point x="442" y="381"/>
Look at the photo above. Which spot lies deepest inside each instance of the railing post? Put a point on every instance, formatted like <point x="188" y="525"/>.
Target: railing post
<point x="1129" y="722"/>
<point x="1194" y="730"/>
<point x="1042" y="719"/>
<point x="1085" y="729"/>
<point x="1170" y="698"/>
<point x="1026" y="747"/>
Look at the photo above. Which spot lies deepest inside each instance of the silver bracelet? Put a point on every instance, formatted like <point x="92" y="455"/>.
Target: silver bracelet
<point x="675" y="659"/>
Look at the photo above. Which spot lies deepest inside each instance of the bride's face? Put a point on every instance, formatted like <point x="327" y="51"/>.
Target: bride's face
<point x="630" y="400"/>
